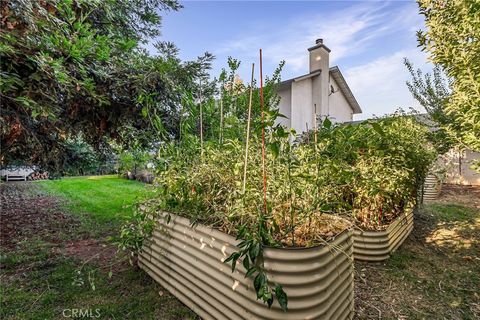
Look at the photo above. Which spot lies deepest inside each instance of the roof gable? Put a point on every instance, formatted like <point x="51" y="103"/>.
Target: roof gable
<point x="345" y="89"/>
<point x="339" y="79"/>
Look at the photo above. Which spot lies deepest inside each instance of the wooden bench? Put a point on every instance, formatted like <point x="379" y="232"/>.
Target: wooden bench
<point x="15" y="177"/>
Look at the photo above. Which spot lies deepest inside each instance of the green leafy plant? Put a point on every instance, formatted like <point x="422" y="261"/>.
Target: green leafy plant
<point x="368" y="173"/>
<point x="138" y="229"/>
<point x="451" y="40"/>
<point x="78" y="67"/>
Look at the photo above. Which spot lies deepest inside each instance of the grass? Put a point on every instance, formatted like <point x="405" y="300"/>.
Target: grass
<point x="435" y="274"/>
<point x="55" y="284"/>
<point x="452" y="212"/>
<point x="105" y="198"/>
<point x="70" y="266"/>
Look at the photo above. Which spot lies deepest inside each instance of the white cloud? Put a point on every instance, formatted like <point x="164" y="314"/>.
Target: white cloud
<point x="379" y="86"/>
<point x="347" y="32"/>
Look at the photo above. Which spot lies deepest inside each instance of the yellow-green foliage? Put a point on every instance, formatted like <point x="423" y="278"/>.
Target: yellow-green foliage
<point x="370" y="171"/>
<point x="452" y="40"/>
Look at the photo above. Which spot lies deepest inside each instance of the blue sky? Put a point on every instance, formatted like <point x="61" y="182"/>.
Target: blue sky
<point x="368" y="39"/>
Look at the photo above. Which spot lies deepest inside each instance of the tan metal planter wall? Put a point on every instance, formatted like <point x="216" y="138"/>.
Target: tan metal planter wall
<point x="379" y="245"/>
<point x="431" y="188"/>
<point x="188" y="262"/>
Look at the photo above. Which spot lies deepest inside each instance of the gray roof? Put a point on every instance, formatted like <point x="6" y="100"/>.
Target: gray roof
<point x="286" y="84"/>
<point x="342" y="83"/>
<point x="422" y="118"/>
<point x="337" y="75"/>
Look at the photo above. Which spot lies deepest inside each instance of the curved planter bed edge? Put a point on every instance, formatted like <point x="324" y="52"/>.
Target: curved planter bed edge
<point x="376" y="246"/>
<point x="188" y="262"/>
<point x="432" y="188"/>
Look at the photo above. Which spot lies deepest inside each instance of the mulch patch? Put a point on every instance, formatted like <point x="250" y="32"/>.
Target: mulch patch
<point x="466" y="195"/>
<point x="26" y="213"/>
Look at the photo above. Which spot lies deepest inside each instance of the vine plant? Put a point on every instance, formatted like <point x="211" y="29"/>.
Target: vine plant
<point x="251" y="251"/>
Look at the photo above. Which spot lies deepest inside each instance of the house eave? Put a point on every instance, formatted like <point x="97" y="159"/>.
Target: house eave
<point x="337" y="76"/>
<point x="342" y="84"/>
<point x="286" y="84"/>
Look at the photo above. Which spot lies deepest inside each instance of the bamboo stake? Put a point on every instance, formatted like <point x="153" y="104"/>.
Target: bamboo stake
<point x="263" y="139"/>
<point x="201" y="120"/>
<point x="248" y="130"/>
<point x="221" y="115"/>
<point x="308" y="134"/>
<point x="315" y="125"/>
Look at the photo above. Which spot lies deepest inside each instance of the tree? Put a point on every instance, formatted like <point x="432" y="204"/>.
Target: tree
<point x="432" y="91"/>
<point x="78" y="67"/>
<point x="452" y="40"/>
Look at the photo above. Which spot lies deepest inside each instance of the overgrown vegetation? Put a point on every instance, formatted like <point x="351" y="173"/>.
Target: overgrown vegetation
<point x="77" y="69"/>
<point x="368" y="173"/>
<point x="81" y="159"/>
<point x="451" y="39"/>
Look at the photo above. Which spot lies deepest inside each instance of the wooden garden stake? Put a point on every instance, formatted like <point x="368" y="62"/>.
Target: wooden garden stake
<point x="263" y="139"/>
<point x="221" y="115"/>
<point x="201" y="120"/>
<point x="248" y="130"/>
<point x="221" y="111"/>
<point x="315" y="125"/>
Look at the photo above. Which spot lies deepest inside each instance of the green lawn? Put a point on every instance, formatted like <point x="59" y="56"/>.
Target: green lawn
<point x="104" y="198"/>
<point x="59" y="258"/>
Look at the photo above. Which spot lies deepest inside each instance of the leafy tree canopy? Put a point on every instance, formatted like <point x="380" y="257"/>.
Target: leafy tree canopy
<point x="452" y="40"/>
<point x="78" y="67"/>
<point x="432" y="91"/>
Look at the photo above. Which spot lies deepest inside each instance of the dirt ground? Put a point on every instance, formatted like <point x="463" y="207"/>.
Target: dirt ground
<point x="25" y="213"/>
<point x="51" y="260"/>
<point x="435" y="274"/>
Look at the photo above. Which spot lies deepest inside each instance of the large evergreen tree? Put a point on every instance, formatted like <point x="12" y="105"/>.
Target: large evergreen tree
<point x="77" y="67"/>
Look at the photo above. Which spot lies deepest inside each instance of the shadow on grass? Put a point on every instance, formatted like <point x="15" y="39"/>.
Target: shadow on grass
<point x="435" y="274"/>
<point x="52" y="261"/>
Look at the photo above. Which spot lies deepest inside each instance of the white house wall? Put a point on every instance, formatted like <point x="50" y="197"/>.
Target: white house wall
<point x="339" y="109"/>
<point x="285" y="106"/>
<point x="302" y="105"/>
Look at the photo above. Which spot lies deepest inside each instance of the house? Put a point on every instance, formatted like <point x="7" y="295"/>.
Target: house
<point x="320" y="93"/>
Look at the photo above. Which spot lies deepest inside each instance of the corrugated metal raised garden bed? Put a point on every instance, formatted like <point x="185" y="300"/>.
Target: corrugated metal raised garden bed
<point x="188" y="262"/>
<point x="379" y="245"/>
<point x="431" y="188"/>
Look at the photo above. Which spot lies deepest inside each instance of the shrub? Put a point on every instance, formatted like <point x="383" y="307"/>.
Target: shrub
<point x="381" y="165"/>
<point x="369" y="173"/>
<point x="134" y="162"/>
<point x="80" y="158"/>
